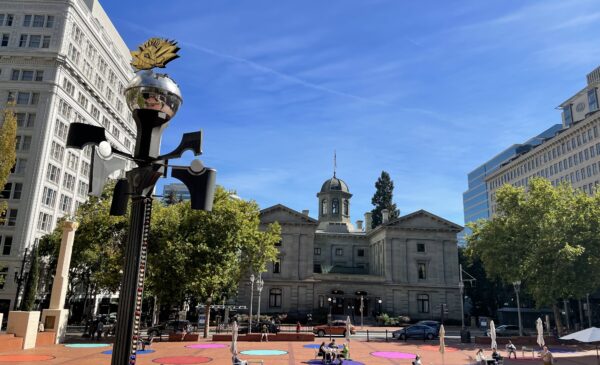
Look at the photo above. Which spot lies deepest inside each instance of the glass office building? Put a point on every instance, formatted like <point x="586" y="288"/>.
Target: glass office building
<point x="476" y="203"/>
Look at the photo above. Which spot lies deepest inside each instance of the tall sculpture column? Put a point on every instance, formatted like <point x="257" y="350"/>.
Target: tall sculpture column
<point x="55" y="318"/>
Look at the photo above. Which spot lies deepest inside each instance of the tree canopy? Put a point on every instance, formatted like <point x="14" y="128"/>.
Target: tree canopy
<point x="547" y="237"/>
<point x="383" y="199"/>
<point x="8" y="154"/>
<point x="190" y="253"/>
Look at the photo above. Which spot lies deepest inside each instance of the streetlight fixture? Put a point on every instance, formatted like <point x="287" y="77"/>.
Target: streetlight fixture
<point x="259" y="286"/>
<point x="251" y="301"/>
<point x="153" y="100"/>
<point x="517" y="286"/>
<point x="362" y="307"/>
<point x="330" y="300"/>
<point x="380" y="301"/>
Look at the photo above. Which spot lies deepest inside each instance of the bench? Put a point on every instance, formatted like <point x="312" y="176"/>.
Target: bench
<point x="255" y="362"/>
<point x="525" y="348"/>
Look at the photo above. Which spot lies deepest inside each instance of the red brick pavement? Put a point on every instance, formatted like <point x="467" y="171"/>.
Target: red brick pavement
<point x="296" y="354"/>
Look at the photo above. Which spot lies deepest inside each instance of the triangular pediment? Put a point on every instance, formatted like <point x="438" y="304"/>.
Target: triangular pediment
<point x="284" y="215"/>
<point x="422" y="219"/>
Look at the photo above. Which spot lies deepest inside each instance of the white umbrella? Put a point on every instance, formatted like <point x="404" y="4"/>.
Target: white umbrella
<point x="493" y="334"/>
<point x="591" y="334"/>
<point x="540" y="332"/>
<point x="234" y="337"/>
<point x="348" y="328"/>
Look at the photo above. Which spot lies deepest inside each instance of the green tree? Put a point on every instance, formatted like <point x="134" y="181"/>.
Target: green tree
<point x="383" y="199"/>
<point x="8" y="137"/>
<point x="33" y="278"/>
<point x="546" y="237"/>
<point x="97" y="256"/>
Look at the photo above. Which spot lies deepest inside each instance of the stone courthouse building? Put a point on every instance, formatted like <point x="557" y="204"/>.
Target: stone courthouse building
<point x="406" y="266"/>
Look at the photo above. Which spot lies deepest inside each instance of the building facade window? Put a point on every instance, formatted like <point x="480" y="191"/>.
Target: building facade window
<point x="69" y="181"/>
<point x="277" y="266"/>
<point x="360" y="252"/>
<point x="423" y="303"/>
<point x="12" y="217"/>
<point x="346" y="207"/>
<point x="61" y="130"/>
<point x="17" y="191"/>
<point x="53" y="173"/>
<point x="44" y="222"/>
<point x="339" y="252"/>
<point x="324" y="206"/>
<point x="65" y="203"/>
<point x="321" y="301"/>
<point x="6" y="248"/>
<point x="5" y="194"/>
<point x="3" y="275"/>
<point x="6" y="20"/>
<point x="317" y="269"/>
<point x="21" y="166"/>
<point x="317" y="251"/>
<point x="49" y="197"/>
<point x="4" y="40"/>
<point x="335" y="206"/>
<point x="25" y="120"/>
<point x="592" y="100"/>
<point x="568" y="115"/>
<point x="420" y="247"/>
<point x="422" y="270"/>
<point x="275" y="298"/>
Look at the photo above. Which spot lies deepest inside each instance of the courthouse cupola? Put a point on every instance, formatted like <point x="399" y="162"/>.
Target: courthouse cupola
<point x="334" y="204"/>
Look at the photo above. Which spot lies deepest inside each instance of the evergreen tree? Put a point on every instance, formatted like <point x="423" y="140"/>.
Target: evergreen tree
<point x="384" y="190"/>
<point x="33" y="278"/>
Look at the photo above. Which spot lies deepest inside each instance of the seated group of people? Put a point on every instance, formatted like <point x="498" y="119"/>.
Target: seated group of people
<point x="495" y="360"/>
<point x="331" y="352"/>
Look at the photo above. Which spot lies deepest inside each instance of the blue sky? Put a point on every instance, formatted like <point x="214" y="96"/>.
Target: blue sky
<point x="426" y="90"/>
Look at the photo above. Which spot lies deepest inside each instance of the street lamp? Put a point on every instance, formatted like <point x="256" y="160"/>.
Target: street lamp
<point x="517" y="286"/>
<point x="259" y="286"/>
<point x="361" y="311"/>
<point x="251" y="301"/>
<point x="153" y="100"/>
<point x="330" y="314"/>
<point x="379" y="301"/>
<point x="461" y="288"/>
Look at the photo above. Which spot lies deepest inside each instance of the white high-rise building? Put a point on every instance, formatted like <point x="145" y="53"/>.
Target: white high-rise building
<point x="61" y="61"/>
<point x="572" y="154"/>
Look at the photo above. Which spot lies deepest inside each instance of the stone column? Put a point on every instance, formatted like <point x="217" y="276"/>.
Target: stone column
<point x="55" y="318"/>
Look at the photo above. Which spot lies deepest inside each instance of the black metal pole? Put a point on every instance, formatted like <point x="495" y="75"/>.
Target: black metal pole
<point x="132" y="284"/>
<point x="20" y="280"/>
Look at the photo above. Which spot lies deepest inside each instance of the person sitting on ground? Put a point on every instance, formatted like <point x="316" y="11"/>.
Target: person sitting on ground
<point x="511" y="349"/>
<point x="480" y="357"/>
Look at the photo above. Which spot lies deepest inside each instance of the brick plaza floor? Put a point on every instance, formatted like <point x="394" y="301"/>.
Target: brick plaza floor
<point x="166" y="353"/>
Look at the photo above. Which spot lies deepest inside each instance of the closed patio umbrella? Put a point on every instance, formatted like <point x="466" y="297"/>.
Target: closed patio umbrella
<point x="234" y="337"/>
<point x="493" y="334"/>
<point x="348" y="328"/>
<point x="588" y="335"/>
<point x="442" y="342"/>
<point x="540" y="332"/>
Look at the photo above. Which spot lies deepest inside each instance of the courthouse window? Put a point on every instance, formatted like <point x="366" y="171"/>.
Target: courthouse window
<point x="275" y="298"/>
<point x="423" y="303"/>
<point x="422" y="270"/>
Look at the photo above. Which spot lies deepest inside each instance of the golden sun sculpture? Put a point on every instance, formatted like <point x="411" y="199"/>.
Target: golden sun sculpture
<point x="156" y="52"/>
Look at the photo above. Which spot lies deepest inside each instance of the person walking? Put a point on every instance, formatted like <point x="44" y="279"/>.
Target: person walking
<point x="264" y="333"/>
<point x="298" y="327"/>
<point x="100" y="329"/>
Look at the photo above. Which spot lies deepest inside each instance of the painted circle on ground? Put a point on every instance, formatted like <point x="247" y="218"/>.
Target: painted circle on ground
<point x="22" y="358"/>
<point x="139" y="352"/>
<point x="264" y="352"/>
<point x="86" y="345"/>
<point x="180" y="360"/>
<point x="393" y="355"/>
<point x="312" y="346"/>
<point x="437" y="348"/>
<point x="346" y="362"/>
<point x="207" y="346"/>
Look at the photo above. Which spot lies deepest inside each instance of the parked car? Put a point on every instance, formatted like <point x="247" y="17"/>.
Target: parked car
<point x="415" y="331"/>
<point x="167" y="327"/>
<point x="506" y="330"/>
<point x="335" y="328"/>
<point x="433" y="324"/>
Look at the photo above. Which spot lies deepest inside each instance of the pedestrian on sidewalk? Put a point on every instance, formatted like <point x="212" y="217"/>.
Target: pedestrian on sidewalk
<point x="264" y="333"/>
